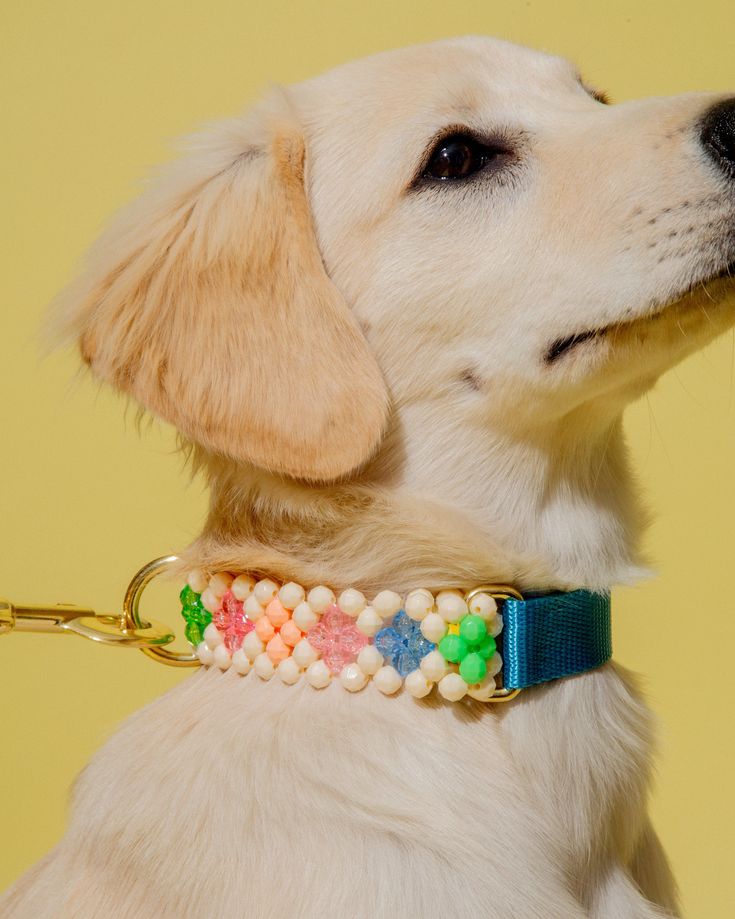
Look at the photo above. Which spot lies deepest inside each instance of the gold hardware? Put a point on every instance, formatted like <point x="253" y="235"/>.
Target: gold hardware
<point x="498" y="592"/>
<point x="127" y="630"/>
<point x="131" y="614"/>
<point x="79" y="620"/>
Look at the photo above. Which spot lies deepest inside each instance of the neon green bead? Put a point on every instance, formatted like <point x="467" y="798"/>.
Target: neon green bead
<point x="472" y="629"/>
<point x="197" y="618"/>
<point x="193" y="633"/>
<point x="487" y="647"/>
<point x="188" y="597"/>
<point x="473" y="668"/>
<point x="453" y="648"/>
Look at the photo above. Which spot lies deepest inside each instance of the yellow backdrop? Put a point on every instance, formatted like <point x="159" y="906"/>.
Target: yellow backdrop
<point x="93" y="92"/>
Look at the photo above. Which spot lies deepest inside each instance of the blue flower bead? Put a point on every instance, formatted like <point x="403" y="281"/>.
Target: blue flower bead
<point x="402" y="644"/>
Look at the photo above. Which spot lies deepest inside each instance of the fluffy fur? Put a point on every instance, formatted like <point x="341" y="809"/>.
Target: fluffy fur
<point x="359" y="360"/>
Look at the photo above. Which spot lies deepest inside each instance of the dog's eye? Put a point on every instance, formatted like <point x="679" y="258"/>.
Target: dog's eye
<point x="459" y="156"/>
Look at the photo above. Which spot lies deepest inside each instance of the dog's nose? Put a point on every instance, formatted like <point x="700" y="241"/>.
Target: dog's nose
<point x="718" y="134"/>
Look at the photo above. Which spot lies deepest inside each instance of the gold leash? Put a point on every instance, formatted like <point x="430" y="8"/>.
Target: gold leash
<point x="123" y="630"/>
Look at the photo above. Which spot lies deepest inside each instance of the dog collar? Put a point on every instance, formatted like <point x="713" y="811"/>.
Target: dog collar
<point x="488" y="643"/>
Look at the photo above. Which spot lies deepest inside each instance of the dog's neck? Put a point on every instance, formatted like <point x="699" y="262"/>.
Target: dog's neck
<point x="560" y="492"/>
<point x="441" y="507"/>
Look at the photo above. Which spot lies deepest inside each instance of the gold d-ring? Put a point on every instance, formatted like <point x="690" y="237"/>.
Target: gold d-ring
<point x="497" y="592"/>
<point x="131" y="612"/>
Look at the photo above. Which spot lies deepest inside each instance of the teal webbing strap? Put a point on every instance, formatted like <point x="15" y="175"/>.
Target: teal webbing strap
<point x="553" y="636"/>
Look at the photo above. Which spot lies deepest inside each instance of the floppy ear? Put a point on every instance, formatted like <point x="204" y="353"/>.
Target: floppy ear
<point x="208" y="302"/>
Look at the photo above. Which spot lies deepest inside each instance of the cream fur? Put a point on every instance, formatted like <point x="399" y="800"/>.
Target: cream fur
<point x="491" y="463"/>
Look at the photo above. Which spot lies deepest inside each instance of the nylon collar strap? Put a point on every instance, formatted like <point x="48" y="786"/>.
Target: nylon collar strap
<point x="488" y="643"/>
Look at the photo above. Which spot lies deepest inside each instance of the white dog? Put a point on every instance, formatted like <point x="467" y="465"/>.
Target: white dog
<point x="397" y="311"/>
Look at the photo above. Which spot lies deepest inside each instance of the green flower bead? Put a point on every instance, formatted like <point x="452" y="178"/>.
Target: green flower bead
<point x="473" y="668"/>
<point x="193" y="632"/>
<point x="197" y="618"/>
<point x="188" y="597"/>
<point x="453" y="648"/>
<point x="471" y="648"/>
<point x="472" y="629"/>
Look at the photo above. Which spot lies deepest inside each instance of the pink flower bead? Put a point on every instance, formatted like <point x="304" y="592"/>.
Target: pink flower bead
<point x="231" y="622"/>
<point x="337" y="638"/>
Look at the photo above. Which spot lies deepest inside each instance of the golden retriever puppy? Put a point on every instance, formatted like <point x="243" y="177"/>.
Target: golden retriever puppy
<point x="397" y="311"/>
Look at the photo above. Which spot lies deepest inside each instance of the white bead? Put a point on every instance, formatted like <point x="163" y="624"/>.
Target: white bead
<point x="222" y="657"/>
<point x="253" y="609"/>
<point x="352" y="678"/>
<point x="304" y="616"/>
<point x="495" y="626"/>
<point x="204" y="653"/>
<point x="495" y="664"/>
<point x="210" y="602"/>
<point x="288" y="670"/>
<point x="417" y="685"/>
<point x="419" y="603"/>
<point x="484" y="606"/>
<point x="388" y="680"/>
<point x="252" y="646"/>
<point x="197" y="580"/>
<point x="351" y="601"/>
<point x="433" y="627"/>
<point x="387" y="603"/>
<point x="291" y="595"/>
<point x="263" y="666"/>
<point x="433" y="666"/>
<point x="240" y="662"/>
<point x="220" y="583"/>
<point x="482" y="691"/>
<point x="212" y="636"/>
<point x="368" y="622"/>
<point x="318" y="675"/>
<point x="304" y="654"/>
<point x="452" y="687"/>
<point x="265" y="591"/>
<point x="320" y="598"/>
<point x="450" y="605"/>
<point x="242" y="586"/>
<point x="370" y="660"/>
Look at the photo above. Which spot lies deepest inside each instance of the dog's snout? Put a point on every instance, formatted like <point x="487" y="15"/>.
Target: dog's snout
<point x="718" y="134"/>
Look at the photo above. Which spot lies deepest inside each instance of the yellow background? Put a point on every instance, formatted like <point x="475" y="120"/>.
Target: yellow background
<point x="93" y="92"/>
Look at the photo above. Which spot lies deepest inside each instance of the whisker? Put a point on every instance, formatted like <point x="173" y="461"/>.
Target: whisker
<point x="706" y="290"/>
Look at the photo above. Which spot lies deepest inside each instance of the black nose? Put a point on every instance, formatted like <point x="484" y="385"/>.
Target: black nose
<point x="718" y="134"/>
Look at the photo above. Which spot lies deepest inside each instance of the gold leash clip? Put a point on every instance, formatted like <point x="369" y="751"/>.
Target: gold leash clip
<point x="126" y="630"/>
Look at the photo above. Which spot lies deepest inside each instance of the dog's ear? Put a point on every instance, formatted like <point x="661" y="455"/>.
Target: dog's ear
<point x="209" y="303"/>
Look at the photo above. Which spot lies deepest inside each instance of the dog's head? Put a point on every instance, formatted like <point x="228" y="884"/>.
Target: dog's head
<point x="463" y="223"/>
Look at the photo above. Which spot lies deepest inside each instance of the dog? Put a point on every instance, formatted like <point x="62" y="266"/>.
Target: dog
<point x="396" y="312"/>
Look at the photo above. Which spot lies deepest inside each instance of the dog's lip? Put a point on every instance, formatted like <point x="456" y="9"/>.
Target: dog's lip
<point x="561" y="346"/>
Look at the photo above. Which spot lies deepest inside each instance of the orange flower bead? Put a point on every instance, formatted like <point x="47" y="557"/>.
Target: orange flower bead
<point x="264" y="628"/>
<point x="290" y="633"/>
<point x="277" y="650"/>
<point x="277" y="612"/>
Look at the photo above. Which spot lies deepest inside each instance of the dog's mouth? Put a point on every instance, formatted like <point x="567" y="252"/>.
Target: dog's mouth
<point x="563" y="346"/>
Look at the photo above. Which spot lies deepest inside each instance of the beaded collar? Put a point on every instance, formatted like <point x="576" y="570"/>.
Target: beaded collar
<point x="487" y="644"/>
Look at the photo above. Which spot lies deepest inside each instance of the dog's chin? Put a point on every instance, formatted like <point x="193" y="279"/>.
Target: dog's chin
<point x="694" y="306"/>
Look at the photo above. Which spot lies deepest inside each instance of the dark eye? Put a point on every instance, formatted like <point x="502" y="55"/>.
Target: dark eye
<point x="459" y="156"/>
